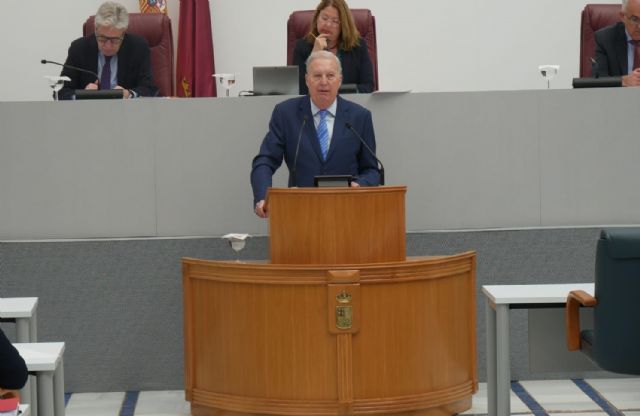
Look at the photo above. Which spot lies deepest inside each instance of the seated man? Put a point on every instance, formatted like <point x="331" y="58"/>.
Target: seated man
<point x="316" y="135"/>
<point x="618" y="47"/>
<point x="13" y="370"/>
<point x="111" y="58"/>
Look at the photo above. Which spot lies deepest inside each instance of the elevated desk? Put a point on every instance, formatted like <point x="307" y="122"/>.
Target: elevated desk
<point x="527" y="158"/>
<point x="500" y="300"/>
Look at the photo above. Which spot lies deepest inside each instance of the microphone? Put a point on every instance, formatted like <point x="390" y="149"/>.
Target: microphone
<point x="295" y="158"/>
<point x="350" y="127"/>
<point x="595" y="68"/>
<point x="44" y="61"/>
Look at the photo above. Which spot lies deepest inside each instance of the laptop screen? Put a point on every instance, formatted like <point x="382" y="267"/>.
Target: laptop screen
<point x="275" y="80"/>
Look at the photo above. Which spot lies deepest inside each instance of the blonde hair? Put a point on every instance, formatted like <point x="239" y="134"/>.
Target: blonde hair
<point x="349" y="35"/>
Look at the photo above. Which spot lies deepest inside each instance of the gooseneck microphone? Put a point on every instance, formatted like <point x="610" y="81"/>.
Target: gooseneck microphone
<point x="44" y="61"/>
<point x="350" y="127"/>
<point x="295" y="158"/>
<point x="595" y="68"/>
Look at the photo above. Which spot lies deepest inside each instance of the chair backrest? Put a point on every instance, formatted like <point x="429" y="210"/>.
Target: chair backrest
<point x="594" y="17"/>
<point x="156" y="29"/>
<point x="616" y="333"/>
<point x="298" y="26"/>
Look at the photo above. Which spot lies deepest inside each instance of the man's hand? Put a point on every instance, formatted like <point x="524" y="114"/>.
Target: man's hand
<point x="261" y="209"/>
<point x="632" y="80"/>
<point x="125" y="93"/>
<point x="7" y="394"/>
<point x="92" y="85"/>
<point x="355" y="185"/>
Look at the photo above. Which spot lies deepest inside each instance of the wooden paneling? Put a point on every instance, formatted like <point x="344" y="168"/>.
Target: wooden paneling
<point x="257" y="339"/>
<point x="336" y="225"/>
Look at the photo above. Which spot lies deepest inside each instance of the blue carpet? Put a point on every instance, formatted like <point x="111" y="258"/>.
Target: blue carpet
<point x="597" y="397"/>
<point x="129" y="403"/>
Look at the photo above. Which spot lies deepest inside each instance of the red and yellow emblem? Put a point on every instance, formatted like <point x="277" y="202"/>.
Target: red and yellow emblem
<point x="153" y="6"/>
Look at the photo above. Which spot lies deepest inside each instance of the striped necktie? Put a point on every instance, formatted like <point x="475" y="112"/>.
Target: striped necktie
<point x="323" y="133"/>
<point x="105" y="77"/>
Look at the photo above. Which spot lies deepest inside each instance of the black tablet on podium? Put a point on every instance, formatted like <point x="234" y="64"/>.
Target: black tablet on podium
<point x="99" y="94"/>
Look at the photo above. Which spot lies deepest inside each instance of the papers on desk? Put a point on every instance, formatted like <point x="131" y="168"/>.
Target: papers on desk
<point x="390" y="92"/>
<point x="9" y="407"/>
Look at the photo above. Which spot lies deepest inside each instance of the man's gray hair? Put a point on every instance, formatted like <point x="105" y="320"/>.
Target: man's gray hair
<point x="324" y="55"/>
<point x="112" y="14"/>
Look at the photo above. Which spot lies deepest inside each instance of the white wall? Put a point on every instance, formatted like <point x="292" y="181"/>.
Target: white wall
<point x="464" y="45"/>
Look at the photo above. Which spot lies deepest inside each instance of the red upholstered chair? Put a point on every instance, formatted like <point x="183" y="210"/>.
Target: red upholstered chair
<point x="156" y="29"/>
<point x="298" y="27"/>
<point x="594" y="17"/>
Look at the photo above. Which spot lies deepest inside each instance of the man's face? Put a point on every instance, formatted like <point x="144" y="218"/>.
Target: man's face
<point x="630" y="16"/>
<point x="323" y="80"/>
<point x="109" y="40"/>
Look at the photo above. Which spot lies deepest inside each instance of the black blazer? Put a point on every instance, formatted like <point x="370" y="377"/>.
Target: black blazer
<point x="611" y="51"/>
<point x="356" y="65"/>
<point x="134" y="65"/>
<point x="13" y="370"/>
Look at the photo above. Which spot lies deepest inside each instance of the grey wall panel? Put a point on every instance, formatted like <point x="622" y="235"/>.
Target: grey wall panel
<point x="203" y="164"/>
<point x="66" y="173"/>
<point x="589" y="157"/>
<point x="468" y="160"/>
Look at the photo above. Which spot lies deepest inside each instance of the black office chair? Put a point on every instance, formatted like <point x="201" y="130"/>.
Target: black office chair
<point x="614" y="342"/>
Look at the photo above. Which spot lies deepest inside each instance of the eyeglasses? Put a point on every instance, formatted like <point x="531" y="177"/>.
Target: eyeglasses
<point x="633" y="19"/>
<point x="114" y="41"/>
<point x="329" y="21"/>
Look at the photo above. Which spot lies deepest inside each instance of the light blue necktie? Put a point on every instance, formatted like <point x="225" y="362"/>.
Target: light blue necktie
<point x="323" y="134"/>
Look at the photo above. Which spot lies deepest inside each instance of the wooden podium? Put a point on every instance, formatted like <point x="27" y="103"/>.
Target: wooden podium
<point x="336" y="225"/>
<point x="338" y="332"/>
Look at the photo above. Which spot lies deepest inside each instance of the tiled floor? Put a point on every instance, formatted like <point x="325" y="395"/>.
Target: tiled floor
<point x="591" y="397"/>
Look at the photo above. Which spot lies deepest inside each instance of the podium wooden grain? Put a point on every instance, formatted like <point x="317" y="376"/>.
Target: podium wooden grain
<point x="267" y="339"/>
<point x="259" y="340"/>
<point x="336" y="225"/>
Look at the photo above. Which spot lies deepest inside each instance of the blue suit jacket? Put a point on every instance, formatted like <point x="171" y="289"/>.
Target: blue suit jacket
<point x="346" y="156"/>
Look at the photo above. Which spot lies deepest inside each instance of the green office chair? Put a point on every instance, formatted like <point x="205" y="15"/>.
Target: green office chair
<point x="614" y="342"/>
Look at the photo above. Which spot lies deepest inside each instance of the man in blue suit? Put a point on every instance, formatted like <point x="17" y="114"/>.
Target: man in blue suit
<point x="618" y="47"/>
<point x="314" y="135"/>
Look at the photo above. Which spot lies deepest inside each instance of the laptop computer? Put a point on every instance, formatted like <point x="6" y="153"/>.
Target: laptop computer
<point x="275" y="80"/>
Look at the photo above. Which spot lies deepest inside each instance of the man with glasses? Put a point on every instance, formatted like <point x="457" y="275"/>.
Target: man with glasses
<point x="111" y="58"/>
<point x="618" y="47"/>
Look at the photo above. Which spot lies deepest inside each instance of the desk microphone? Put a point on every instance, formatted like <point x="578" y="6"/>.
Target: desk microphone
<point x="595" y="68"/>
<point x="350" y="127"/>
<point x="44" y="61"/>
<point x="295" y="158"/>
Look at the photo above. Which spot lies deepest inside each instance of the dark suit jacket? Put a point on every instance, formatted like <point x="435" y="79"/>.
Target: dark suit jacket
<point x="611" y="51"/>
<point x="13" y="370"/>
<point x="134" y="65"/>
<point x="356" y="65"/>
<point x="346" y="156"/>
